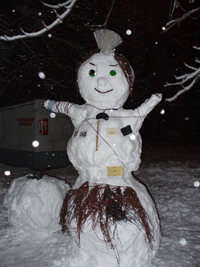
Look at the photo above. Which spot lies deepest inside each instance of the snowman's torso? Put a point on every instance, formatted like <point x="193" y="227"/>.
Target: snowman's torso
<point x="98" y="149"/>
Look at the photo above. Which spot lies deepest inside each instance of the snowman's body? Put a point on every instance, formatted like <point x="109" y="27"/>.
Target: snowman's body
<point x="98" y="155"/>
<point x="104" y="154"/>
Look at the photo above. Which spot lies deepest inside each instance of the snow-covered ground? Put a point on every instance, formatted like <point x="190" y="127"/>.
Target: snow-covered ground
<point x="169" y="171"/>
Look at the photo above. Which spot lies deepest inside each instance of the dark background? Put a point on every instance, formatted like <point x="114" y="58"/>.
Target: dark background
<point x="156" y="57"/>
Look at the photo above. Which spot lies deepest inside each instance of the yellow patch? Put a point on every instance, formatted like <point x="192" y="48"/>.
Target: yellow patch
<point x="111" y="131"/>
<point x="114" y="171"/>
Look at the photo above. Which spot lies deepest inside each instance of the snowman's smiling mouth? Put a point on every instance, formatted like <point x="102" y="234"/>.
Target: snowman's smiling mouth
<point x="103" y="92"/>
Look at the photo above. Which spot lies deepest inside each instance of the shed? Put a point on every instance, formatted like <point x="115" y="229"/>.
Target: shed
<point x="21" y="125"/>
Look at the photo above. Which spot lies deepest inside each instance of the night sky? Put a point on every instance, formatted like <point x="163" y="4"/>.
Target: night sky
<point x="155" y="56"/>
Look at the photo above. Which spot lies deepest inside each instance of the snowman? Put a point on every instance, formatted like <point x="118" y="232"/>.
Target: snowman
<point x="108" y="212"/>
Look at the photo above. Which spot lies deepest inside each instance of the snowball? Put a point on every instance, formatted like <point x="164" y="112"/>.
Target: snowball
<point x="163" y="28"/>
<point x="196" y="183"/>
<point x="49" y="35"/>
<point x="7" y="173"/>
<point x="34" y="205"/>
<point x="40" y="14"/>
<point x="52" y="115"/>
<point x="186" y="118"/>
<point x="41" y="75"/>
<point x="128" y="32"/>
<point x="156" y="42"/>
<point x="162" y="111"/>
<point x="182" y="241"/>
<point x="35" y="143"/>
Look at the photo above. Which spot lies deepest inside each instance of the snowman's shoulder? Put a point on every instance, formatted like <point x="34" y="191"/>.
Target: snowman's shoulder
<point x="77" y="113"/>
<point x="77" y="110"/>
<point x="130" y="113"/>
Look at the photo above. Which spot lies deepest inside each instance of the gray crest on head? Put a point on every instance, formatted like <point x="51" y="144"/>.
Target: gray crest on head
<point x="107" y="40"/>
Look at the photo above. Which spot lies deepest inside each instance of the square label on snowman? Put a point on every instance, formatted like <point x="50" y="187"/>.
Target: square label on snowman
<point x="111" y="131"/>
<point x="114" y="171"/>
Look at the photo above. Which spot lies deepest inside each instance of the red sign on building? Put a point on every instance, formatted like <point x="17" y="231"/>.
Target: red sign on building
<point x="43" y="126"/>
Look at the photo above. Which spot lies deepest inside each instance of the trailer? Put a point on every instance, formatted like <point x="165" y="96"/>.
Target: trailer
<point x="33" y="137"/>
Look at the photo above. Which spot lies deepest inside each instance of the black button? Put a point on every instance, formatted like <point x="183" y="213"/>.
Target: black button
<point x="126" y="130"/>
<point x="102" y="116"/>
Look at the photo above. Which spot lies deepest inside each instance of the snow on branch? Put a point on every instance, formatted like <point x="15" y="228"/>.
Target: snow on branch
<point x="58" y="5"/>
<point x="173" y="22"/>
<point x="68" y="5"/>
<point x="192" y="78"/>
<point x="177" y="20"/>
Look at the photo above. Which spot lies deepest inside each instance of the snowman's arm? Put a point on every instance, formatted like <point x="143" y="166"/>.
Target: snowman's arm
<point x="58" y="106"/>
<point x="148" y="105"/>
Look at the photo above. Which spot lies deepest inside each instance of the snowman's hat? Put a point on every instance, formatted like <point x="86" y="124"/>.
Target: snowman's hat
<point x="107" y="40"/>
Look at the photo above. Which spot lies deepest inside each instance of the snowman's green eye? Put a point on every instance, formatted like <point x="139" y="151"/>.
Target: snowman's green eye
<point x="113" y="72"/>
<point x="92" y="73"/>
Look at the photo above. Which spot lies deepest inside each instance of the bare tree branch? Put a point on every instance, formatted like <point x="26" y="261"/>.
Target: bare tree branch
<point x="58" y="5"/>
<point x="68" y="5"/>
<point x="107" y="18"/>
<point x="173" y="22"/>
<point x="192" y="77"/>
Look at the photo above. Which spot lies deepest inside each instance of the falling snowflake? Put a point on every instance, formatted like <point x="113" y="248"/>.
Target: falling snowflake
<point x="196" y="183"/>
<point x="52" y="115"/>
<point x="182" y="241"/>
<point x="41" y="75"/>
<point x="128" y="32"/>
<point x="35" y="143"/>
<point x="132" y="136"/>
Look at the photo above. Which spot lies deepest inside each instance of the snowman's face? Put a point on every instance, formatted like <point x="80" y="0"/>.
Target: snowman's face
<point x="102" y="82"/>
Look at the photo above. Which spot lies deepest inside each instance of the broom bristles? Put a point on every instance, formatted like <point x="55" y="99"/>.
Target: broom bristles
<point x="104" y="206"/>
<point x="107" y="40"/>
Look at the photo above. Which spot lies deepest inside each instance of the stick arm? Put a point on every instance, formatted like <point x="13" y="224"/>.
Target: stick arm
<point x="58" y="106"/>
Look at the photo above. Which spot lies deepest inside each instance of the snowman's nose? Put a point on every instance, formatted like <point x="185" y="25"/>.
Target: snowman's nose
<point x="102" y="81"/>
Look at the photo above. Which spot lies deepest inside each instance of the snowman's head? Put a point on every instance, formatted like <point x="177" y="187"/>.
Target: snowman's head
<point x="105" y="80"/>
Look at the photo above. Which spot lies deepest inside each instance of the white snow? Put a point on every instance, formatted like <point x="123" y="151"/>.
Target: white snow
<point x="41" y="75"/>
<point x="128" y="32"/>
<point x="196" y="183"/>
<point x="162" y="111"/>
<point x="183" y="241"/>
<point x="34" y="205"/>
<point x="52" y="115"/>
<point x="169" y="172"/>
<point x="35" y="143"/>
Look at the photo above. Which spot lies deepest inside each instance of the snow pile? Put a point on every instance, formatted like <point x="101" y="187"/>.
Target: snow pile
<point x="34" y="205"/>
